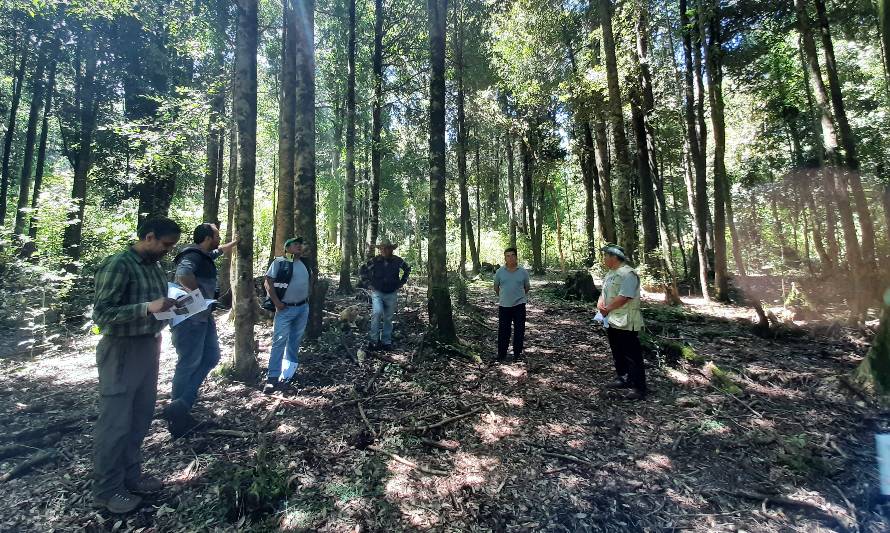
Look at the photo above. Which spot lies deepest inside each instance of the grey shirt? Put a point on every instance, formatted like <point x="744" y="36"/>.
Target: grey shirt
<point x="298" y="288"/>
<point x="513" y="286"/>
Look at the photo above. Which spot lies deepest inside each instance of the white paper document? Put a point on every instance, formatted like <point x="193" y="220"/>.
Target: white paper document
<point x="604" y="320"/>
<point x="188" y="303"/>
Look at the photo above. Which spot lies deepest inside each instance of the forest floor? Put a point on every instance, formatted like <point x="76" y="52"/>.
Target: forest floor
<point x="770" y="440"/>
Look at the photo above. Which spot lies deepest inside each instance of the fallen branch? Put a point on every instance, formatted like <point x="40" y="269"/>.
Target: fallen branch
<point x="14" y="450"/>
<point x="788" y="502"/>
<point x="361" y="412"/>
<point x="566" y="457"/>
<point x="371" y="398"/>
<point x="389" y="359"/>
<point x="440" y="445"/>
<point x="406" y="462"/>
<point x="271" y="414"/>
<point x="229" y="433"/>
<point x="449" y="420"/>
<point x="26" y="466"/>
<point x="64" y="425"/>
<point x="733" y="396"/>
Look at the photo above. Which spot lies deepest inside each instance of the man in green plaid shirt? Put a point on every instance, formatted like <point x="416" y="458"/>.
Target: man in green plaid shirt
<point x="130" y="286"/>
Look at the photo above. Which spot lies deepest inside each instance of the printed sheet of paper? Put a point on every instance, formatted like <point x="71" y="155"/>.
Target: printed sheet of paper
<point x="188" y="303"/>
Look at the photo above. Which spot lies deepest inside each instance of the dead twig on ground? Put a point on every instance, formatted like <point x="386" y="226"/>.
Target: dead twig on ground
<point x="230" y="433"/>
<point x="361" y="412"/>
<point x="389" y="359"/>
<point x="408" y="463"/>
<point x="567" y="457"/>
<point x="59" y="426"/>
<point x="440" y="445"/>
<point x="447" y="421"/>
<point x="26" y="466"/>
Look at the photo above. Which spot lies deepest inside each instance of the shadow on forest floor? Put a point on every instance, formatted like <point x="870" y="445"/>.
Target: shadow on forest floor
<point x="543" y="446"/>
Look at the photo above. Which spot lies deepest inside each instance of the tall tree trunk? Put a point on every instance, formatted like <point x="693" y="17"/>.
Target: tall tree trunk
<point x="376" y="124"/>
<point x="885" y="199"/>
<point x="439" y="300"/>
<point x="733" y="232"/>
<point x="835" y="184"/>
<point x="466" y="221"/>
<point x="602" y="179"/>
<point x="245" y="112"/>
<point x="18" y="84"/>
<point x="305" y="199"/>
<point x="73" y="236"/>
<point x="30" y="138"/>
<point x="527" y="151"/>
<point x="697" y="188"/>
<point x="348" y="244"/>
<point x="214" y="143"/>
<point x="627" y="225"/>
<point x="511" y="187"/>
<point x="225" y="271"/>
<point x="562" y="255"/>
<point x="848" y="140"/>
<point x="41" y="149"/>
<point x="284" y="210"/>
<point x="714" y="63"/>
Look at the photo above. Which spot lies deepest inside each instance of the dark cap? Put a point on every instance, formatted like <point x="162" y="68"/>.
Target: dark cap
<point x="298" y="240"/>
<point x="614" y="249"/>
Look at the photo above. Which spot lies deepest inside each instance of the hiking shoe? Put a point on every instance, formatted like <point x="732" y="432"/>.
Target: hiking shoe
<point x="287" y="386"/>
<point x="145" y="485"/>
<point x="619" y="384"/>
<point x="636" y="394"/>
<point x="121" y="502"/>
<point x="385" y="347"/>
<point x="374" y="346"/>
<point x="182" y="425"/>
<point x="271" y="386"/>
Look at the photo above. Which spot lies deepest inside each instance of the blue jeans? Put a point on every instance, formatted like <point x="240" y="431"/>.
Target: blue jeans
<point x="383" y="305"/>
<point x="290" y="323"/>
<point x="197" y="345"/>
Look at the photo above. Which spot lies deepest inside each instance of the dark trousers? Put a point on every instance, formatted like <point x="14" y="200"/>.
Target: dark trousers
<point x="128" y="388"/>
<point x="511" y="317"/>
<point x="628" y="357"/>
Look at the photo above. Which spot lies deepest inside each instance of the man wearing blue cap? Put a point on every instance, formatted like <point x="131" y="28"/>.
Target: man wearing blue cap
<point x="619" y="303"/>
<point x="290" y="297"/>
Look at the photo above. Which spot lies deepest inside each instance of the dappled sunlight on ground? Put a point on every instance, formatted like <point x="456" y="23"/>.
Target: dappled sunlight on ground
<point x="494" y="427"/>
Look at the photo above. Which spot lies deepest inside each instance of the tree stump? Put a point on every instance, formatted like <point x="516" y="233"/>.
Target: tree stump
<point x="580" y="286"/>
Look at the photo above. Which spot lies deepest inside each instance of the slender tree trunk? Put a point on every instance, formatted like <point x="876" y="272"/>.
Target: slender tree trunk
<point x="627" y="225"/>
<point x="466" y="221"/>
<point x="885" y="198"/>
<point x="214" y="161"/>
<point x="349" y="202"/>
<point x="284" y="210"/>
<point x="697" y="189"/>
<point x="562" y="255"/>
<point x="733" y="232"/>
<point x="602" y="179"/>
<point x="305" y="197"/>
<point x="41" y="150"/>
<point x="245" y="112"/>
<point x="835" y="184"/>
<point x="527" y="150"/>
<point x="225" y="271"/>
<point x="30" y="139"/>
<point x="848" y="140"/>
<point x="18" y="84"/>
<point x="439" y="300"/>
<point x="376" y="124"/>
<point x="714" y="63"/>
<point x="511" y="186"/>
<point x="73" y="236"/>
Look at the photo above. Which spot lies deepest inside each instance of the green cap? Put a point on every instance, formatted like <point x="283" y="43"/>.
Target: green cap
<point x="293" y="240"/>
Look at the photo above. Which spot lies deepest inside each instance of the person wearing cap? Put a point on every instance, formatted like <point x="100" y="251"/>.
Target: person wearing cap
<point x="195" y="338"/>
<point x="619" y="303"/>
<point x="386" y="274"/>
<point x="291" y="314"/>
<point x="511" y="284"/>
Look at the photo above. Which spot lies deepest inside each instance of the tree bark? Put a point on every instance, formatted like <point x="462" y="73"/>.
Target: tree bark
<point x="41" y="150"/>
<point x="627" y="237"/>
<point x="439" y="300"/>
<point x="225" y="271"/>
<point x="284" y="210"/>
<point x="348" y="244"/>
<point x="37" y="91"/>
<point x="376" y="125"/>
<point x="214" y="144"/>
<point x="697" y="187"/>
<point x="17" y="87"/>
<point x="73" y="236"/>
<point x="714" y="64"/>
<point x="305" y="206"/>
<point x="245" y="112"/>
<point x="466" y="221"/>
<point x="511" y="187"/>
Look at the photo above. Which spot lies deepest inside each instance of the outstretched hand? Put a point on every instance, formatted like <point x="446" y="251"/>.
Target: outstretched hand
<point x="227" y="248"/>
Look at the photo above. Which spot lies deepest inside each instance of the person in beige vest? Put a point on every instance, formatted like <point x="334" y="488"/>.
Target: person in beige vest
<point x="619" y="304"/>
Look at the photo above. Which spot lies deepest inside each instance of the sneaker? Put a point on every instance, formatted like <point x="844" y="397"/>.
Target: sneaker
<point x="619" y="384"/>
<point x="121" y="502"/>
<point x="184" y="424"/>
<point x="145" y="485"/>
<point x="271" y="386"/>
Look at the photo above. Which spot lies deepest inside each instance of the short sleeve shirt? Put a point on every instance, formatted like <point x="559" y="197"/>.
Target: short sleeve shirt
<point x="630" y="287"/>
<point x="298" y="288"/>
<point x="512" y="286"/>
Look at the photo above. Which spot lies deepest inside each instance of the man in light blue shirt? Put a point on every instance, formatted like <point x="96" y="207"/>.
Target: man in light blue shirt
<point x="291" y="315"/>
<point x="511" y="284"/>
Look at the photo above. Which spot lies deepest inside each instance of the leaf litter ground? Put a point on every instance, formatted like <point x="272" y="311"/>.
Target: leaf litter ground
<point x="753" y="434"/>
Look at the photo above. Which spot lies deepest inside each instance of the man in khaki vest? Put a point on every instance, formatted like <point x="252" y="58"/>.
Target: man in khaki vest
<point x="619" y="304"/>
